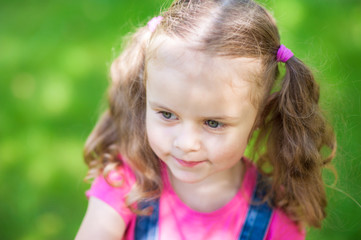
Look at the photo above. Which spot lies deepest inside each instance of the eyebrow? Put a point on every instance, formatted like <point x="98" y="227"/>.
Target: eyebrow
<point x="221" y="118"/>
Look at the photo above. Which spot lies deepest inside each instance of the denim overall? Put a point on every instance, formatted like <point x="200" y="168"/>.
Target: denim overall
<point x="255" y="226"/>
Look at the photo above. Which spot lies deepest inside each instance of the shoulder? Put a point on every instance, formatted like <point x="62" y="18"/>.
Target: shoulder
<point x="282" y="227"/>
<point x="114" y="189"/>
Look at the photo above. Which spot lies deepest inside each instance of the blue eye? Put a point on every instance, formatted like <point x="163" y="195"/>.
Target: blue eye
<point x="167" y="115"/>
<point x="213" y="124"/>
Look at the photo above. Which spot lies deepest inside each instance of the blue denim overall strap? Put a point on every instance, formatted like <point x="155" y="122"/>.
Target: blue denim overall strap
<point x="258" y="217"/>
<point x="146" y="227"/>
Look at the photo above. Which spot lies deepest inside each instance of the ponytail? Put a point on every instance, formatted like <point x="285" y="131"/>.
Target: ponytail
<point x="121" y="129"/>
<point x="295" y="130"/>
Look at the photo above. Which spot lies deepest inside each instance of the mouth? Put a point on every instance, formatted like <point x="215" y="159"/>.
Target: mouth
<point x="188" y="163"/>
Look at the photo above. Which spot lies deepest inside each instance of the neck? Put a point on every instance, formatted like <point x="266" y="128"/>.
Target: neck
<point x="226" y="182"/>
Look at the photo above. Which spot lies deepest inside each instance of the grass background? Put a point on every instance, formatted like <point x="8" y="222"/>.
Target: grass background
<point x="54" y="61"/>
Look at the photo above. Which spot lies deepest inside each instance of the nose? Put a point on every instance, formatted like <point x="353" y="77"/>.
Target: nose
<point x="187" y="139"/>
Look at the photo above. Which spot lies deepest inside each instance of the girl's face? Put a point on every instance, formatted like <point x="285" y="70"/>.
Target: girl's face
<point x="199" y="113"/>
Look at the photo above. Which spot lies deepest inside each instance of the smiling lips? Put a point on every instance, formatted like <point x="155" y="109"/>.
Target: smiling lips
<point x="187" y="163"/>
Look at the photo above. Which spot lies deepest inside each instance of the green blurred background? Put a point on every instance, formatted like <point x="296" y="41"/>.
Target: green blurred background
<point x="54" y="62"/>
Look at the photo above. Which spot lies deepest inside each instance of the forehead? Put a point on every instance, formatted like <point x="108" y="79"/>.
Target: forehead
<point x="175" y="57"/>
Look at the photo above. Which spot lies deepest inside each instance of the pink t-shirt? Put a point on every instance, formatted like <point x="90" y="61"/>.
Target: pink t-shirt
<point x="179" y="222"/>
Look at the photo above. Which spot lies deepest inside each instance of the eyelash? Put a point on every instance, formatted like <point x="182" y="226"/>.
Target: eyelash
<point x="219" y="124"/>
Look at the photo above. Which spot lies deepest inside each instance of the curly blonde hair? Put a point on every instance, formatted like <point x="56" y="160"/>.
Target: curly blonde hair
<point x="291" y="127"/>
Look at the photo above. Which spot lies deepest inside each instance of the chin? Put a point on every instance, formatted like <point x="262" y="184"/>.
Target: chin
<point x="187" y="177"/>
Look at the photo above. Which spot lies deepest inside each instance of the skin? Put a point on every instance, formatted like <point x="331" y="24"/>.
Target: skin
<point x="100" y="222"/>
<point x="199" y="117"/>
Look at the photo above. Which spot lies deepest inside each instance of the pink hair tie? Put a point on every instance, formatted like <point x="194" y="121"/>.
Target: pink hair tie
<point x="284" y="54"/>
<point x="153" y="23"/>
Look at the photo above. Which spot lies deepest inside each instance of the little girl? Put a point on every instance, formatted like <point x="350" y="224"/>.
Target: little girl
<point x="187" y="94"/>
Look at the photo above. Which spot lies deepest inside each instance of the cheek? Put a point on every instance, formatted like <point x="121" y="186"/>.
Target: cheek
<point x="231" y="148"/>
<point x="157" y="138"/>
